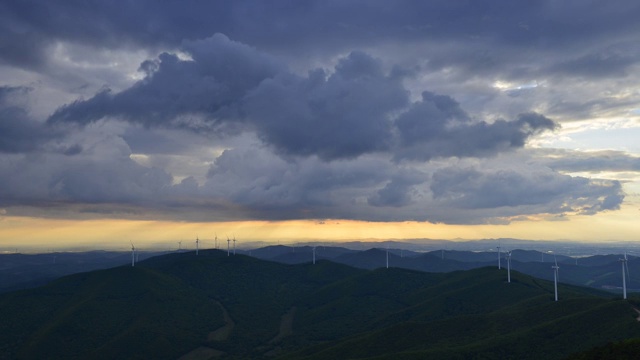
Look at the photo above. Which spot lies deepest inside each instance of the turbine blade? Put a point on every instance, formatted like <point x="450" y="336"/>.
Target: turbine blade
<point x="626" y="266"/>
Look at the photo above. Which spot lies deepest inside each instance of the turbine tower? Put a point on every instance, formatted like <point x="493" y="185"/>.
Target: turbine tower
<point x="387" y="256"/>
<point x="314" y="254"/>
<point x="509" y="267"/>
<point x="624" y="280"/>
<point x="216" y="241"/>
<point x="180" y="245"/>
<point x="197" y="244"/>
<point x="228" y="246"/>
<point x="499" y="255"/>
<point x="234" y="244"/>
<point x="133" y="254"/>
<point x="555" y="277"/>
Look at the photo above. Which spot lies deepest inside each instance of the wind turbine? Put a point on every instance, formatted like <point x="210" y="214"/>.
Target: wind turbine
<point x="228" y="246"/>
<point x="387" y="256"/>
<point x="555" y="277"/>
<point x="509" y="267"/>
<point x="216" y="240"/>
<point x="314" y="254"/>
<point x="197" y="244"/>
<point x="180" y="245"/>
<point x="499" y="255"/>
<point x="133" y="254"/>
<point x="624" y="280"/>
<point x="234" y="244"/>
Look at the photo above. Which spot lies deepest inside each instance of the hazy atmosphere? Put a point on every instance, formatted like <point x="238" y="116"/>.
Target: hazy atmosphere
<point x="317" y="120"/>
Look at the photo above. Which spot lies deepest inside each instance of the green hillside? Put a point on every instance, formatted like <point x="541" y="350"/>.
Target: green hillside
<point x="125" y="312"/>
<point x="621" y="350"/>
<point x="237" y="307"/>
<point x="476" y="314"/>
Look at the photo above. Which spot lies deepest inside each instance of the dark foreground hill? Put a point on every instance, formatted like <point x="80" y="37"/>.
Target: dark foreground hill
<point x="238" y="307"/>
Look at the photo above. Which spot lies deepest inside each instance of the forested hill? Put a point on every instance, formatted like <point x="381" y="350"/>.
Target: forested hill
<point x="212" y="305"/>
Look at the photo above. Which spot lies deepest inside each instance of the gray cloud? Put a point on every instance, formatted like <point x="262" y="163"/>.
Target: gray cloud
<point x="345" y="114"/>
<point x="314" y="106"/>
<point x="399" y="191"/>
<point x="595" y="162"/>
<point x="101" y="173"/>
<point x="437" y="127"/>
<point x="604" y="64"/>
<point x="176" y="92"/>
<point x="19" y="133"/>
<point x="526" y="40"/>
<point x="252" y="183"/>
<point x="269" y="187"/>
<point x="472" y="189"/>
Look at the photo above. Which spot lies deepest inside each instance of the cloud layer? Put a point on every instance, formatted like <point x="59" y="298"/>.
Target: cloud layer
<point x="240" y="110"/>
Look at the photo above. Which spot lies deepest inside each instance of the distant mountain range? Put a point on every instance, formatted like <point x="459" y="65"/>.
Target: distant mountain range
<point x="22" y="271"/>
<point x="599" y="271"/>
<point x="183" y="306"/>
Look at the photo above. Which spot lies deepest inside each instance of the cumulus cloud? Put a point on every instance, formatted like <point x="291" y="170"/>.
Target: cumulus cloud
<point x="177" y="92"/>
<point x="438" y="127"/>
<point x="342" y="115"/>
<point x="356" y="109"/>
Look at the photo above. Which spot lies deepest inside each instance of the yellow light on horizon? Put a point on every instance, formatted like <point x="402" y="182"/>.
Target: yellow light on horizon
<point x="40" y="234"/>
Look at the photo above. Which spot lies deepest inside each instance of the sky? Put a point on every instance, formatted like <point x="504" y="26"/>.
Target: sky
<point x="285" y="121"/>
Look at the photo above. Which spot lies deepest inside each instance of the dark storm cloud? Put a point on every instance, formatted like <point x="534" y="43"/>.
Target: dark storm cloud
<point x="343" y="140"/>
<point x="474" y="189"/>
<point x="19" y="133"/>
<point x="29" y="26"/>
<point x="532" y="28"/>
<point x="438" y="127"/>
<point x="345" y="114"/>
<point x="607" y="63"/>
<point x="175" y="92"/>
